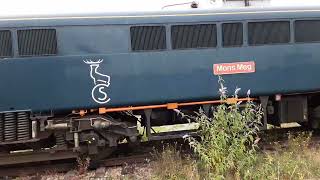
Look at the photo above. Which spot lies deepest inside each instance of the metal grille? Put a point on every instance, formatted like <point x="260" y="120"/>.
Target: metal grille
<point x="232" y="34"/>
<point x="307" y="31"/>
<point x="37" y="42"/>
<point x="193" y="36"/>
<point x="144" y="38"/>
<point x="10" y="126"/>
<point x="1" y="128"/>
<point x="15" y="126"/>
<point x="272" y="32"/>
<point x="5" y="44"/>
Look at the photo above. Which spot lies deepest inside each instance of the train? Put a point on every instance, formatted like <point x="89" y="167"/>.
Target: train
<point x="78" y="84"/>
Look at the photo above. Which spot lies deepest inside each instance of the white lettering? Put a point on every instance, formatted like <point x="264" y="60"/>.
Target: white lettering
<point x="244" y="67"/>
<point x="104" y="94"/>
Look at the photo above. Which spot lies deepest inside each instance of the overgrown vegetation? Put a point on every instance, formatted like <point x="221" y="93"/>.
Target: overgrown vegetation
<point x="298" y="160"/>
<point x="227" y="148"/>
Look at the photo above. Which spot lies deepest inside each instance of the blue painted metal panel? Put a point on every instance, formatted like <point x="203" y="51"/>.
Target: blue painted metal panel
<point x="84" y="40"/>
<point x="141" y="78"/>
<point x="45" y="83"/>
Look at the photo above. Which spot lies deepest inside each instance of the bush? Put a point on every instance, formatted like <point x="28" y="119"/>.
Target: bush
<point x="228" y="138"/>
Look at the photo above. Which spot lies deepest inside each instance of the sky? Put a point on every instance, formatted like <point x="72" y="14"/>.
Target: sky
<point x="48" y="7"/>
<point x="16" y="7"/>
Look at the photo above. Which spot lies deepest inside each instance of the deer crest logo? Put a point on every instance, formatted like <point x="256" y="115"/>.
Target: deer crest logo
<point x="101" y="82"/>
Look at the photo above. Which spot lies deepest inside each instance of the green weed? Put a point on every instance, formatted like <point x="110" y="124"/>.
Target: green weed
<point x="227" y="148"/>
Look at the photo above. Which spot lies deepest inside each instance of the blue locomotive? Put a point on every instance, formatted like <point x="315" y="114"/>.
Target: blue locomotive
<point x="78" y="82"/>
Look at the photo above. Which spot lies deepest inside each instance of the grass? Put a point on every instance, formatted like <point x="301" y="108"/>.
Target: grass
<point x="299" y="160"/>
<point x="171" y="164"/>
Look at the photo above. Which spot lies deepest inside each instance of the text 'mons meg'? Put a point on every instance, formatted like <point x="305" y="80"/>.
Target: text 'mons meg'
<point x="234" y="68"/>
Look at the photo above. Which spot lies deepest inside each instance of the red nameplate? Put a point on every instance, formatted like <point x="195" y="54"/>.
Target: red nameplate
<point x="234" y="68"/>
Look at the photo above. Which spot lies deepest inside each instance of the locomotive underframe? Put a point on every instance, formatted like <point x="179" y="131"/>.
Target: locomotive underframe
<point x="93" y="135"/>
<point x="96" y="132"/>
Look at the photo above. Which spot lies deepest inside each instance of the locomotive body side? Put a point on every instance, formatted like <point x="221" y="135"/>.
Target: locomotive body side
<point x="78" y="84"/>
<point x="63" y="81"/>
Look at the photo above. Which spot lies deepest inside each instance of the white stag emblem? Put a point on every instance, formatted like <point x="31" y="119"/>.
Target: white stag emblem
<point x="101" y="82"/>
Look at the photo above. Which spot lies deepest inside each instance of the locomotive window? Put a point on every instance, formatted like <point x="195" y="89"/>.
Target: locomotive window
<point x="37" y="42"/>
<point x="268" y="32"/>
<point x="193" y="36"/>
<point x="307" y="31"/>
<point x="144" y="38"/>
<point x="232" y="34"/>
<point x="5" y="44"/>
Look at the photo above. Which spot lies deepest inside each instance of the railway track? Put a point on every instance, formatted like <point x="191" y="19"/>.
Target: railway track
<point x="125" y="155"/>
<point x="63" y="166"/>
